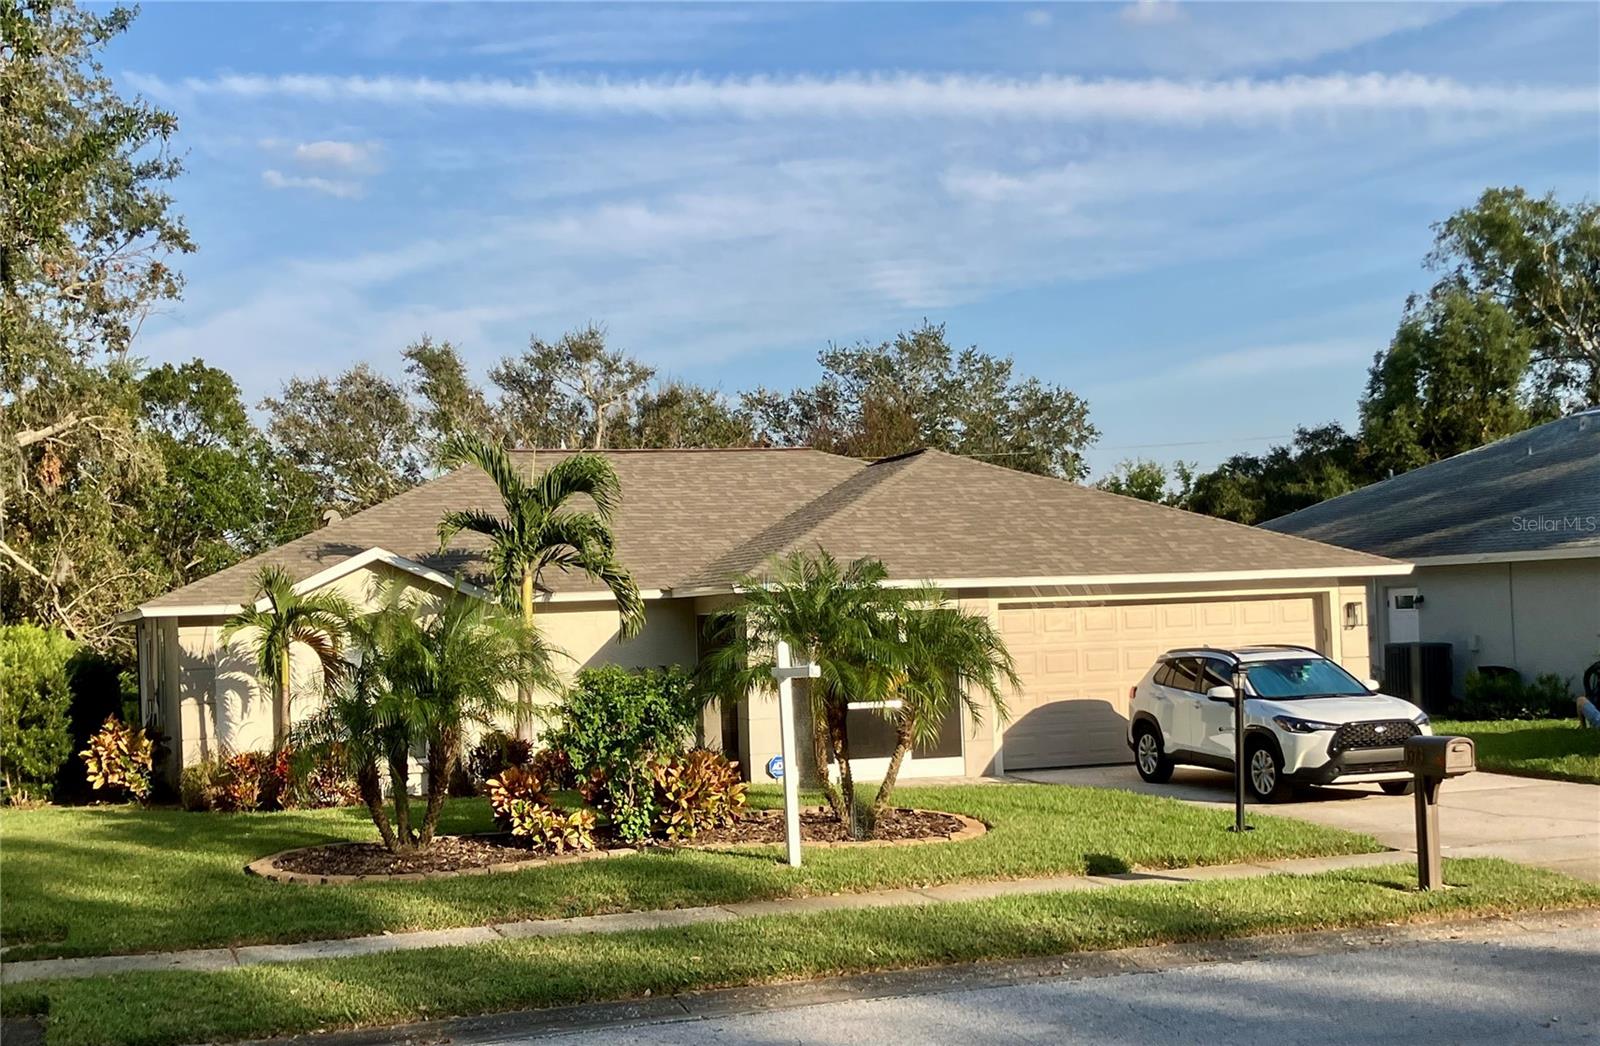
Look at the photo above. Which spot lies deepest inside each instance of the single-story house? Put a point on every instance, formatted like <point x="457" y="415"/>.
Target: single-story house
<point x="1506" y="543"/>
<point x="1086" y="587"/>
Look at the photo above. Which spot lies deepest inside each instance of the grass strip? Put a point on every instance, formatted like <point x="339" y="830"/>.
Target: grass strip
<point x="154" y="1009"/>
<point x="1557" y="749"/>
<point x="102" y="881"/>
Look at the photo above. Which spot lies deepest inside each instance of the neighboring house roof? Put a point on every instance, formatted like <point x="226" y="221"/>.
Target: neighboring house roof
<point x="1530" y="496"/>
<point x="696" y="520"/>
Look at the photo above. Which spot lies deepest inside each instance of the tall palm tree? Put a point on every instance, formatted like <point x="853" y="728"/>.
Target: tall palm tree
<point x="538" y="528"/>
<point x="832" y="615"/>
<point x="944" y="654"/>
<point x="429" y="669"/>
<point x="316" y="621"/>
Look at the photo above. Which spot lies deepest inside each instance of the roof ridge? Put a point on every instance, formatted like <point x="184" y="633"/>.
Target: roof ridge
<point x="874" y="482"/>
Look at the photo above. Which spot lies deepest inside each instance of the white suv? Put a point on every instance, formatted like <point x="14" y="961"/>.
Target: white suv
<point x="1306" y="720"/>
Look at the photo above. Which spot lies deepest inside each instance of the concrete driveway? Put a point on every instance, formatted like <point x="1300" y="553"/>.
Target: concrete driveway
<point x="1553" y="824"/>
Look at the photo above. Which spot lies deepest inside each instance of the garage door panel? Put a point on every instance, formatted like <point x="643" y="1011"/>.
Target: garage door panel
<point x="1077" y="664"/>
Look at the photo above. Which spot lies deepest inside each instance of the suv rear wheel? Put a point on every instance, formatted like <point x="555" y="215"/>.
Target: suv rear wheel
<point x="1149" y="757"/>
<point x="1264" y="773"/>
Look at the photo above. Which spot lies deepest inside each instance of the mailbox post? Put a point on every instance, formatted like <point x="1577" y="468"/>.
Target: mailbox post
<point x="1431" y="760"/>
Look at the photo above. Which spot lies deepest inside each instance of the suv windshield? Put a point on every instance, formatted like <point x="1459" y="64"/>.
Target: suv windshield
<point x="1292" y="677"/>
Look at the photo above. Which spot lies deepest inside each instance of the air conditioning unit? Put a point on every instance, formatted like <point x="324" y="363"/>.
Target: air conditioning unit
<point x="1421" y="673"/>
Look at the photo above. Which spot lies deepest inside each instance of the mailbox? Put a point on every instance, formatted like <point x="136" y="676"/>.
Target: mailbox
<point x="1440" y="757"/>
<point x="1431" y="760"/>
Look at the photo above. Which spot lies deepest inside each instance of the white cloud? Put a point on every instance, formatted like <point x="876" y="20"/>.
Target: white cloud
<point x="885" y="96"/>
<point x="338" y="155"/>
<point x="275" y="179"/>
<point x="1038" y="17"/>
<point x="1151" y="12"/>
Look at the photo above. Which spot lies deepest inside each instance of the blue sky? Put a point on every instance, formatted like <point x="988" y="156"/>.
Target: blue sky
<point x="1203" y="218"/>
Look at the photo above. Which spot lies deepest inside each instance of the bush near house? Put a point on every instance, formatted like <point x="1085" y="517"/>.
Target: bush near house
<point x="611" y="724"/>
<point x="1506" y="696"/>
<point x="35" y="699"/>
<point x="118" y="761"/>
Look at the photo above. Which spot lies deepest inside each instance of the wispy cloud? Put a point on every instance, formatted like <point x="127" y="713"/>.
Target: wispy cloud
<point x="887" y="96"/>
<point x="275" y="179"/>
<point x="338" y="155"/>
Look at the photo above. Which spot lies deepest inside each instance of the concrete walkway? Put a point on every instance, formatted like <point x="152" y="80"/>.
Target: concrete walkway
<point x="1552" y="824"/>
<point x="211" y="959"/>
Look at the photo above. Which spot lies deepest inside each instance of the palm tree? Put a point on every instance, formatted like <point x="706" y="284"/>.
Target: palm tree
<point x="538" y="529"/>
<point x="429" y="669"/>
<point x="316" y="621"/>
<point x="832" y="615"/>
<point x="945" y="653"/>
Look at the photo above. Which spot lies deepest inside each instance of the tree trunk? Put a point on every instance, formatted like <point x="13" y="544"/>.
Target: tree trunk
<point x="371" y="788"/>
<point x="400" y="793"/>
<point x="854" y="827"/>
<point x="441" y="764"/>
<point x="524" y="692"/>
<point x="822" y="754"/>
<point x="280" y="715"/>
<point x="903" y="743"/>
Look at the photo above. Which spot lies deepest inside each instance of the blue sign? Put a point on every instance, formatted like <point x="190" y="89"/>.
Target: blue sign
<point x="775" y="768"/>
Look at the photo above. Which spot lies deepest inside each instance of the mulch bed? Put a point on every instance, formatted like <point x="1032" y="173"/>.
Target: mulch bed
<point x="766" y="826"/>
<point x="449" y="853"/>
<point x="456" y="853"/>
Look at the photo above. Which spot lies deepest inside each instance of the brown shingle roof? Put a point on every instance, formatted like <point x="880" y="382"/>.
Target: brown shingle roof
<point x="680" y="509"/>
<point x="699" y="519"/>
<point x="934" y="515"/>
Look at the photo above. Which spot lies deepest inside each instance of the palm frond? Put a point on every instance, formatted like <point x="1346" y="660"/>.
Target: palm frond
<point x="590" y="474"/>
<point x="462" y="448"/>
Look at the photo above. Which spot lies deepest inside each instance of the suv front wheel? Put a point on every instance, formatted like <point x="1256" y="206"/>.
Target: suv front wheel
<point x="1263" y="774"/>
<point x="1152" y="762"/>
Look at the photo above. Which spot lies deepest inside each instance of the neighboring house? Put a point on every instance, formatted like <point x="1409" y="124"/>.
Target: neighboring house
<point x="1086" y="587"/>
<point x="1506" y="542"/>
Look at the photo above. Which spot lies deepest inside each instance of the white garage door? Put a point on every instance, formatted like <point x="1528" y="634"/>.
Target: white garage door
<point x="1078" y="662"/>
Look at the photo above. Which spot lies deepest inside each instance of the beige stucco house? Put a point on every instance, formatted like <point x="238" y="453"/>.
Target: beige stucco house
<point x="1086" y="587"/>
<point x="1506" y="544"/>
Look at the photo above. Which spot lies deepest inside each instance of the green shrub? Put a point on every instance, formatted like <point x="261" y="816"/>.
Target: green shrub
<point x="118" y="760"/>
<point x="1508" y="697"/>
<point x="35" y="700"/>
<point x="696" y="791"/>
<point x="198" y="784"/>
<point x="610" y="724"/>
<point x="316" y="780"/>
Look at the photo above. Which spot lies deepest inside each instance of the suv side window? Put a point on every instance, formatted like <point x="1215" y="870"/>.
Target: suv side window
<point x="1214" y="672"/>
<point x="1185" y="674"/>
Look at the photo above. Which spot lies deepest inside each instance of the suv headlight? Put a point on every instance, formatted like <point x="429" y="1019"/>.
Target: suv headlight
<point x="1302" y="726"/>
<point x="1421" y="719"/>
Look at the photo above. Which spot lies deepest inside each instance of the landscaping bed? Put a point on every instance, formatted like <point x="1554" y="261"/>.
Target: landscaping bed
<point x="502" y="851"/>
<point x="168" y="1007"/>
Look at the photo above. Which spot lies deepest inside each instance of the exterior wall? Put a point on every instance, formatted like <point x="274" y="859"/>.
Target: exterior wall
<point x="1535" y="616"/>
<point x="211" y="701"/>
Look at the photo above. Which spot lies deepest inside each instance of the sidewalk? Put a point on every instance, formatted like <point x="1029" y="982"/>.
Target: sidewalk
<point x="211" y="959"/>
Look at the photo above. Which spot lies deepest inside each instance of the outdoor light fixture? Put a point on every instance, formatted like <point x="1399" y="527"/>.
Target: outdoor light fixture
<point x="1352" y="615"/>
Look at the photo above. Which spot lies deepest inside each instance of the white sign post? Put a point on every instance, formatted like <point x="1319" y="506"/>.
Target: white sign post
<point x="786" y="672"/>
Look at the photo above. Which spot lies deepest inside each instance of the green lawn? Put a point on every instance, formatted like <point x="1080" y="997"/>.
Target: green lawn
<point x="1554" y="748"/>
<point x="151" y="1009"/>
<point x="114" y="880"/>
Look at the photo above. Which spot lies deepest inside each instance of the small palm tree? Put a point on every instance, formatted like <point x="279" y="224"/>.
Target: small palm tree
<point x="832" y="615"/>
<point x="944" y="655"/>
<point x="538" y="529"/>
<point x="316" y="621"/>
<point x="429" y="669"/>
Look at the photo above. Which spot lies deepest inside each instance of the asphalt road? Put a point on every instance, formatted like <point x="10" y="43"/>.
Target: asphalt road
<point x="1541" y="987"/>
